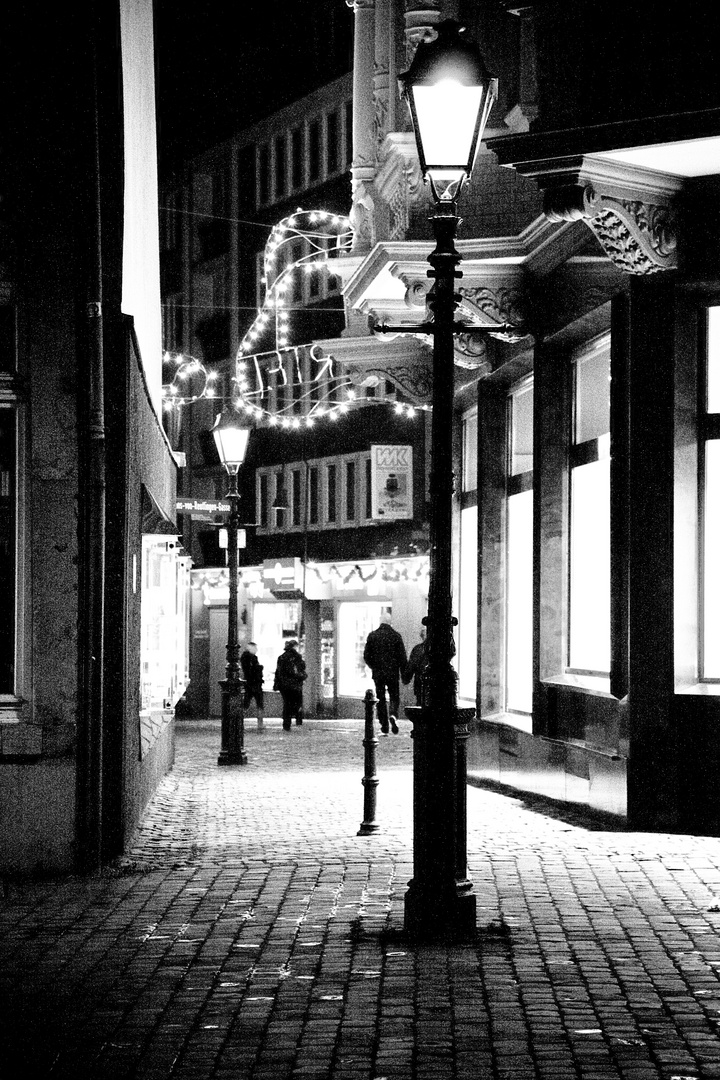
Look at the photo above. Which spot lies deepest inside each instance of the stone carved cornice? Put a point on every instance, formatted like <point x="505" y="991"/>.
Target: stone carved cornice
<point x="639" y="237"/>
<point x="629" y="209"/>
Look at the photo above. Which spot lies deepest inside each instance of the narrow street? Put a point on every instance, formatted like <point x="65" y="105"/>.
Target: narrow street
<point x="252" y="934"/>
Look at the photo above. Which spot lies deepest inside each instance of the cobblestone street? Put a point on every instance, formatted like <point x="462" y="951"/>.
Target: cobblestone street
<point x="252" y="934"/>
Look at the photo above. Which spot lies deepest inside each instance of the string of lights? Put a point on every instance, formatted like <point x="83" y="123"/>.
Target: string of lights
<point x="318" y="394"/>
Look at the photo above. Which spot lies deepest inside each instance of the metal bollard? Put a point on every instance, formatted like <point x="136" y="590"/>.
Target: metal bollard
<point x="370" y="780"/>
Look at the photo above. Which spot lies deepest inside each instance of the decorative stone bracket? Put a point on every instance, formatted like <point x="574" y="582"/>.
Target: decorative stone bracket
<point x="413" y="380"/>
<point x="638" y="237"/>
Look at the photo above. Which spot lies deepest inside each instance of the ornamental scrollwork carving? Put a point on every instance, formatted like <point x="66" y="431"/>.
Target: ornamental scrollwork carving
<point x="638" y="237"/>
<point x="415" y="380"/>
<point x="362" y="218"/>
<point x="502" y="305"/>
<point x="471" y="353"/>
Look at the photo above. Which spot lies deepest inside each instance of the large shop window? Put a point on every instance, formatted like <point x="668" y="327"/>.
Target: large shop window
<point x="164" y="623"/>
<point x="519" y="552"/>
<point x="10" y="550"/>
<point x="710" y="503"/>
<point x="274" y="623"/>
<point x="7" y="548"/>
<point x="590" y="512"/>
<point x="467" y="606"/>
<point x="355" y="621"/>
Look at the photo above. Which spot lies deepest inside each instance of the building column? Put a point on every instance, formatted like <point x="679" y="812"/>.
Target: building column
<point x="364" y="139"/>
<point x="652" y="766"/>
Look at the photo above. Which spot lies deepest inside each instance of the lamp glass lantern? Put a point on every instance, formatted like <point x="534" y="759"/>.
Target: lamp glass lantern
<point x="450" y="94"/>
<point x="231" y="439"/>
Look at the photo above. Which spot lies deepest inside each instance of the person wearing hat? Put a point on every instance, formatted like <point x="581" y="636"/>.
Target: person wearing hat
<point x="385" y="655"/>
<point x="290" y="674"/>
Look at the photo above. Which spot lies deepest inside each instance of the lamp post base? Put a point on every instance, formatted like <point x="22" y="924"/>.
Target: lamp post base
<point x="232" y="724"/>
<point x="440" y="904"/>
<point x="441" y="915"/>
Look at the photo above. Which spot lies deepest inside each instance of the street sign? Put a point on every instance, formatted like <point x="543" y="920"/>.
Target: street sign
<point x="201" y="506"/>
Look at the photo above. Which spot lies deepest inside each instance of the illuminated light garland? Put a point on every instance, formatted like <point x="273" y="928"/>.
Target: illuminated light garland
<point x="411" y="569"/>
<point x="314" y="228"/>
<point x="316" y="399"/>
<point x="300" y="226"/>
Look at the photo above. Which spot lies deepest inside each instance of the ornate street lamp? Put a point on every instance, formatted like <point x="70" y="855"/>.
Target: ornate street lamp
<point x="231" y="440"/>
<point x="450" y="95"/>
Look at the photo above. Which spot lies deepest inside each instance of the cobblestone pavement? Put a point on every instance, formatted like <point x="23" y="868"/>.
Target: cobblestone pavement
<point x="252" y="934"/>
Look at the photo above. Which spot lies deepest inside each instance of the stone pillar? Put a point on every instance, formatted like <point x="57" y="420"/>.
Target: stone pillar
<point x="364" y="127"/>
<point x="652" y="766"/>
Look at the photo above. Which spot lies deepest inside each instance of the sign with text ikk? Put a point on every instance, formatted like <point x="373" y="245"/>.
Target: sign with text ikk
<point x="391" y="479"/>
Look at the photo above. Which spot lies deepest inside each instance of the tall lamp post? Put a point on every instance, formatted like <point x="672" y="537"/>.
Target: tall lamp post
<point x="450" y="95"/>
<point x="231" y="439"/>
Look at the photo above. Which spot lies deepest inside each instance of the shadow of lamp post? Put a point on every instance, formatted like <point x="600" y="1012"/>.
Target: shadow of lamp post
<point x="231" y="439"/>
<point x="450" y="94"/>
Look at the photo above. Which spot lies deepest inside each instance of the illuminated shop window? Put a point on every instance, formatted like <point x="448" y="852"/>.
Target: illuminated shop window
<point x="467" y="609"/>
<point x="274" y="623"/>
<point x="710" y="504"/>
<point x="467" y="604"/>
<point x="519" y="553"/>
<point x="354" y="623"/>
<point x="590" y="512"/>
<point x="163" y="623"/>
<point x="470" y="451"/>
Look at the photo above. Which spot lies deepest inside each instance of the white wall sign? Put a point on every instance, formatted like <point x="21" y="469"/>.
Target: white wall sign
<point x="391" y="479"/>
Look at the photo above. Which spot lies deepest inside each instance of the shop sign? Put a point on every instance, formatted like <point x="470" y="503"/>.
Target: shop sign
<point x="282" y="574"/>
<point x="391" y="480"/>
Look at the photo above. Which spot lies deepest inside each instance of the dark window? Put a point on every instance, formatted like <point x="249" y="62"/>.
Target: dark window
<point x="332" y="493"/>
<point x="296" y="497"/>
<point x="333" y="143"/>
<point x="246" y="180"/>
<point x="263" y="508"/>
<point x="313" y="495"/>
<point x="280" y="167"/>
<point x="368" y="488"/>
<point x="7" y="338"/>
<point x="219" y="208"/>
<point x="314" y="151"/>
<point x="264" y="173"/>
<point x="297" y="158"/>
<point x="350" y="491"/>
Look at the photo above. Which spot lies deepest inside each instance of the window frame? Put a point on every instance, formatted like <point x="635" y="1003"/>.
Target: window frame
<point x="708" y="428"/>
<point x="595" y="449"/>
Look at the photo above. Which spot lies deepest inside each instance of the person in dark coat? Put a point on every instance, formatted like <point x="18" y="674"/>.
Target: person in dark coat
<point x="385" y="656"/>
<point x="416" y="666"/>
<point x="290" y="674"/>
<point x="252" y="671"/>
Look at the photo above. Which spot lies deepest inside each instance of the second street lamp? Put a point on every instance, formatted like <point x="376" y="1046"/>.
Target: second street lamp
<point x="450" y="96"/>
<point x="231" y="439"/>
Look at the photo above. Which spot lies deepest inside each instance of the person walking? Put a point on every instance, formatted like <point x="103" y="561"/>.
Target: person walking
<point x="290" y="674"/>
<point x="252" y="671"/>
<point x="385" y="655"/>
<point x="415" y="667"/>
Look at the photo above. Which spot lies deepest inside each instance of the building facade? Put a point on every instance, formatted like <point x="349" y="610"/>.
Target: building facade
<point x="587" y="503"/>
<point x="87" y="475"/>
<point x="334" y="480"/>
